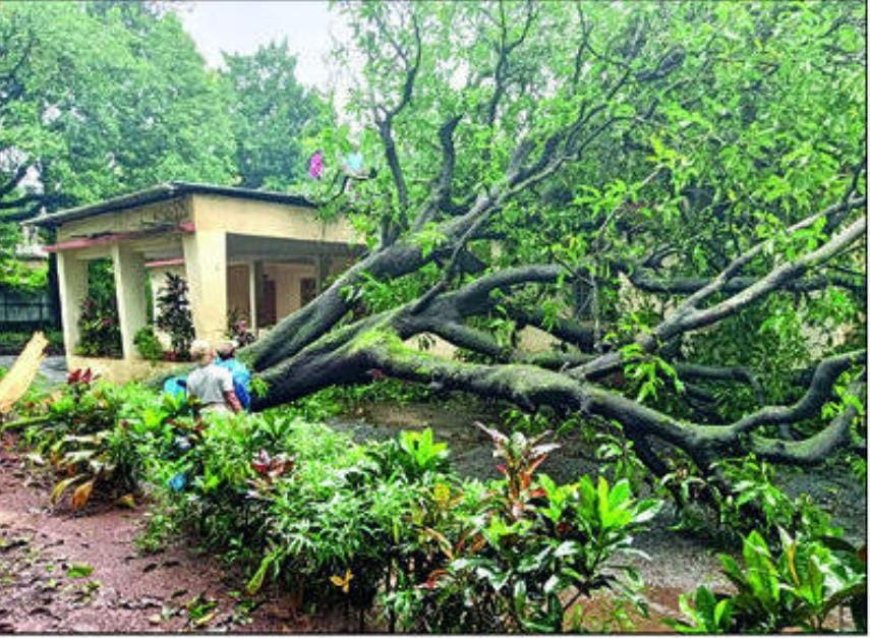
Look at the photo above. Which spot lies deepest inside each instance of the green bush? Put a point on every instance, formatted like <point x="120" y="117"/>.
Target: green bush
<point x="13" y="342"/>
<point x="174" y="315"/>
<point x="148" y="345"/>
<point x="797" y="587"/>
<point x="528" y="552"/>
<point x="381" y="525"/>
<point x="97" y="437"/>
<point x="99" y="324"/>
<point x="389" y="522"/>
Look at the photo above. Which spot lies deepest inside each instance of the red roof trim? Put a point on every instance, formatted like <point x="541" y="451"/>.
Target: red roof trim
<point x="178" y="261"/>
<point x="108" y="238"/>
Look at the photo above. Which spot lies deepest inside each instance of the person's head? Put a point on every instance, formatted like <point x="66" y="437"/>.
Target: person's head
<point x="242" y="325"/>
<point x="201" y="352"/>
<point x="226" y="350"/>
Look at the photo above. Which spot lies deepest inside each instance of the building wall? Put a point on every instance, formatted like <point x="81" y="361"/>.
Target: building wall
<point x="267" y="219"/>
<point x="287" y="285"/>
<point x="172" y="212"/>
<point x="122" y="370"/>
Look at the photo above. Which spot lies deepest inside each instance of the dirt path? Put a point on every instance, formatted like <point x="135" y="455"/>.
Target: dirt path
<point x="82" y="574"/>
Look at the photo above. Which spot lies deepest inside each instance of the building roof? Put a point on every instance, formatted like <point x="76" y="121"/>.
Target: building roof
<point x="160" y="192"/>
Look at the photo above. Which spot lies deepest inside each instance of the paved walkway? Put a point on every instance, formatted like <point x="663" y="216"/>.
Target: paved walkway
<point x="53" y="369"/>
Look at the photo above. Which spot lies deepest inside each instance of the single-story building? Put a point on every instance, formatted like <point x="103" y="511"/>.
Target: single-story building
<point x="256" y="254"/>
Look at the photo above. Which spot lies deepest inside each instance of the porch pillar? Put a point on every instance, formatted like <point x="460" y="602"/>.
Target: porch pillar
<point x="255" y="277"/>
<point x="130" y="277"/>
<point x="321" y="267"/>
<point x="72" y="277"/>
<point x="205" y="259"/>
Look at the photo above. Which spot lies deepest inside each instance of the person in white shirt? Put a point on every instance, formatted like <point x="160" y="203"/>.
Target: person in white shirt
<point x="210" y="383"/>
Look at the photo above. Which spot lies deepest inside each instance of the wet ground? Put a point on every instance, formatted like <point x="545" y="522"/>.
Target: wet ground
<point x="52" y="370"/>
<point x="83" y="574"/>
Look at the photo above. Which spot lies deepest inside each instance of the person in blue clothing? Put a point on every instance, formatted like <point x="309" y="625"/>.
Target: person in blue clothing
<point x="241" y="375"/>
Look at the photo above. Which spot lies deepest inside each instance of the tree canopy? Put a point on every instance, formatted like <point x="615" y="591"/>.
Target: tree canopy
<point x="271" y="114"/>
<point x="674" y="192"/>
<point x="102" y="98"/>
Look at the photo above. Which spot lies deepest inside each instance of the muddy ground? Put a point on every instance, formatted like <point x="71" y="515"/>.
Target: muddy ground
<point x="83" y="574"/>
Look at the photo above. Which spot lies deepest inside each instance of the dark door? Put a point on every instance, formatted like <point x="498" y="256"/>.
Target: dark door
<point x="307" y="290"/>
<point x="268" y="310"/>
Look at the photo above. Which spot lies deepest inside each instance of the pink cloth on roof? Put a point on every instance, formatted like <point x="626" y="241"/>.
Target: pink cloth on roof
<point x="315" y="165"/>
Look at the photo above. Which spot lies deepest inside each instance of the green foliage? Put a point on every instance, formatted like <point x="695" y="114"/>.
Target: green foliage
<point x="14" y="342"/>
<point x="271" y="114"/>
<point x="99" y="324"/>
<point x="336" y="400"/>
<point x="706" y="613"/>
<point x="413" y="454"/>
<point x="174" y="315"/>
<point x="617" y="450"/>
<point x="98" y="437"/>
<point x="259" y="387"/>
<point x="526" y="545"/>
<point x="16" y="274"/>
<point x="301" y="506"/>
<point x="756" y="503"/>
<point x="111" y="97"/>
<point x="148" y="345"/>
<point x="798" y="588"/>
<point x="751" y="502"/>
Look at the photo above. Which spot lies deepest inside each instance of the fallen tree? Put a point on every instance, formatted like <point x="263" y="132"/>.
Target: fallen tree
<point x="673" y="194"/>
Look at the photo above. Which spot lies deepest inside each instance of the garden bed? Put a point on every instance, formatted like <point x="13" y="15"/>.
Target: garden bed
<point x="350" y="534"/>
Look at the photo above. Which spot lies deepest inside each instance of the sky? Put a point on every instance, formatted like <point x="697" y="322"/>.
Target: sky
<point x="242" y="26"/>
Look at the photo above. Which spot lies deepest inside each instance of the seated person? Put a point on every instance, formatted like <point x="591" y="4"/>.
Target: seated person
<point x="211" y="383"/>
<point x="242" y="335"/>
<point x="241" y="375"/>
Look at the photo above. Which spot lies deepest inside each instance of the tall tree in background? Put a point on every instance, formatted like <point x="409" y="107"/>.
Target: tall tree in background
<point x="271" y="114"/>
<point x="103" y="98"/>
<point x="673" y="192"/>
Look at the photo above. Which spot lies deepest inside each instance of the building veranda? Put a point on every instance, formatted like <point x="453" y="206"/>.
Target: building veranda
<point x="248" y="254"/>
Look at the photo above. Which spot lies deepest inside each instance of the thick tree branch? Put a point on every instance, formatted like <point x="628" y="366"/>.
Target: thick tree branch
<point x="826" y="374"/>
<point x="689" y="285"/>
<point x="14" y="180"/>
<point x="441" y="196"/>
<point x="688" y="318"/>
<point x="817" y="448"/>
<point x="721" y="373"/>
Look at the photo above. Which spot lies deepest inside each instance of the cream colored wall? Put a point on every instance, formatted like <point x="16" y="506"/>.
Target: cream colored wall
<point x="72" y="276"/>
<point x="145" y="217"/>
<point x="287" y="285"/>
<point x="205" y="262"/>
<point x="267" y="219"/>
<point x="122" y="370"/>
<point x="130" y="276"/>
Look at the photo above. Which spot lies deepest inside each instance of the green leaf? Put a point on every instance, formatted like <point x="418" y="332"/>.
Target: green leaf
<point x="79" y="570"/>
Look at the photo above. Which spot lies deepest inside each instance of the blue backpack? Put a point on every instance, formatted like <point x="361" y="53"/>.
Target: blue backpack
<point x="175" y="386"/>
<point x="241" y="380"/>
